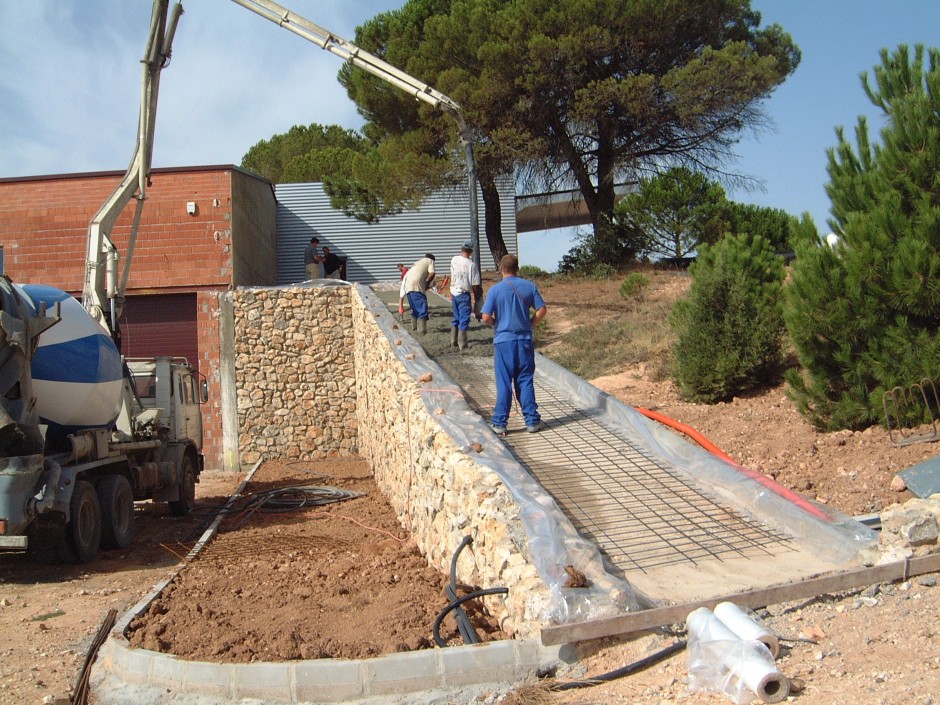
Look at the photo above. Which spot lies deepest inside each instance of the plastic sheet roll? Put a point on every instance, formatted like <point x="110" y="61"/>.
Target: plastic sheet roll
<point x="747" y="626"/>
<point x="720" y="660"/>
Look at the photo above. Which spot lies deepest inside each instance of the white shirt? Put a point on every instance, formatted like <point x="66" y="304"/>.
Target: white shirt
<point x="418" y="275"/>
<point x="464" y="275"/>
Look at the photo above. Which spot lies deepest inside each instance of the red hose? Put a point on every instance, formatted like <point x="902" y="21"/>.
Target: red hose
<point x="769" y="483"/>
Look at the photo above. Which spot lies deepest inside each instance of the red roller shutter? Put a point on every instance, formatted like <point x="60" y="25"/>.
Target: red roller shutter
<point x="160" y="325"/>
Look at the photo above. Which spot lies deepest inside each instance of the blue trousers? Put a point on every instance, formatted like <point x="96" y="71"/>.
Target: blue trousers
<point x="461" y="307"/>
<point x="514" y="363"/>
<point x="418" y="301"/>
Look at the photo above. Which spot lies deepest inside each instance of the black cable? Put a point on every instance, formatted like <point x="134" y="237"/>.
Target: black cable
<point x="634" y="667"/>
<point x="289" y="499"/>
<point x="456" y="603"/>
<point x="464" y="626"/>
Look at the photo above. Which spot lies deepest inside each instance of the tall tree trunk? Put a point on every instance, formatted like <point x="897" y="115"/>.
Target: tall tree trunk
<point x="492" y="210"/>
<point x="602" y="213"/>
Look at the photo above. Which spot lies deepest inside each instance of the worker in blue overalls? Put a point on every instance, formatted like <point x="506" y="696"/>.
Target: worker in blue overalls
<point x="509" y="310"/>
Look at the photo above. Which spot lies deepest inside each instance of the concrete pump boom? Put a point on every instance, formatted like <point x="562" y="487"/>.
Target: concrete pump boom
<point x="361" y="58"/>
<point x="102" y="294"/>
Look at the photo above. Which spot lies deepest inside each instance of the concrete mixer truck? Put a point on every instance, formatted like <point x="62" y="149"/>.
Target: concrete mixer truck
<point x="84" y="432"/>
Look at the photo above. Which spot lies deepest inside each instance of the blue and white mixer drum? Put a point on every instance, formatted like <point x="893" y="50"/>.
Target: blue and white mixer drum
<point x="76" y="370"/>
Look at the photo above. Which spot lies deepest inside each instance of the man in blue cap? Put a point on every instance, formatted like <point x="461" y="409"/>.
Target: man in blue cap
<point x="464" y="280"/>
<point x="513" y="307"/>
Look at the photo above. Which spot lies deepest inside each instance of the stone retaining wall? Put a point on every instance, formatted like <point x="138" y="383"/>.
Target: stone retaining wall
<point x="318" y="375"/>
<point x="294" y="373"/>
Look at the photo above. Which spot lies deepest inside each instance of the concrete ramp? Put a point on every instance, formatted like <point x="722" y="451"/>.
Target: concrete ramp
<point x="678" y="523"/>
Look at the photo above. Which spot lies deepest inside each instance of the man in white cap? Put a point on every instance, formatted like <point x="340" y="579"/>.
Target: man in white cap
<point x="464" y="280"/>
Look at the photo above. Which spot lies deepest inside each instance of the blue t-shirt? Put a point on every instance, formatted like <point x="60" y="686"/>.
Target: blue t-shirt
<point x="509" y="302"/>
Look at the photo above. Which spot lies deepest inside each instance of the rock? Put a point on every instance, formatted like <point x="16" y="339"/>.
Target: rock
<point x="923" y="531"/>
<point x="893" y="554"/>
<point x="898" y="484"/>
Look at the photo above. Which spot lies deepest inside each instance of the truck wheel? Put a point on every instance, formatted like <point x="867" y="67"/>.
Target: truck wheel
<point x="116" y="499"/>
<point x="83" y="532"/>
<point x="184" y="505"/>
<point x="47" y="544"/>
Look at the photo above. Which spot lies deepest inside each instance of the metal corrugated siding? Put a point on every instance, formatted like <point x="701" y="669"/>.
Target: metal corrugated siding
<point x="439" y="226"/>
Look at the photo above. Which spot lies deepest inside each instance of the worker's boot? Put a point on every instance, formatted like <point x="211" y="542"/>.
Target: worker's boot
<point x="463" y="340"/>
<point x="414" y="323"/>
<point x="424" y="326"/>
<point x="453" y="337"/>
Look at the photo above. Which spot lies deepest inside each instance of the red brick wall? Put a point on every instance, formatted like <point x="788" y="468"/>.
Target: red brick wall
<point x="44" y="227"/>
<point x="207" y="321"/>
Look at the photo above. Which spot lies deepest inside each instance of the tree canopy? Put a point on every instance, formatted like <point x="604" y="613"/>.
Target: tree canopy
<point x="563" y="93"/>
<point x="865" y="316"/>
<point x="601" y="90"/>
<point x="673" y="213"/>
<point x="364" y="178"/>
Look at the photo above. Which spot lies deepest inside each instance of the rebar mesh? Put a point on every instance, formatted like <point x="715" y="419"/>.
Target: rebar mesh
<point x="640" y="512"/>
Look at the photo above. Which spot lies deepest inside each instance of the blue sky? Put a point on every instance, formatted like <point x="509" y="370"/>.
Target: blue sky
<point x="70" y="86"/>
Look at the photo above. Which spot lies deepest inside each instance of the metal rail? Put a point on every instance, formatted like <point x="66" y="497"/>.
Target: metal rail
<point x="918" y="402"/>
<point x="102" y="294"/>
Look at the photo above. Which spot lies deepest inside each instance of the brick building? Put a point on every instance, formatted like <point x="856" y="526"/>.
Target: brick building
<point x="203" y="230"/>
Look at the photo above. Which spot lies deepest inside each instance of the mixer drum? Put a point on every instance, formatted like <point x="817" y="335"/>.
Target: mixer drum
<point x="77" y="371"/>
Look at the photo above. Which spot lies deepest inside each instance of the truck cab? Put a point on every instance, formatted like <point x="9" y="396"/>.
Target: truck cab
<point x="169" y="391"/>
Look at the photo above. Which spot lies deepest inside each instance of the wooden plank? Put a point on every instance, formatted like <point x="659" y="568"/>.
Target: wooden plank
<point x="673" y="614"/>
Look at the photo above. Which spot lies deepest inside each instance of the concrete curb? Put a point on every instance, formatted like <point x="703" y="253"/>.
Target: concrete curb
<point x="119" y="665"/>
<point x="329" y="680"/>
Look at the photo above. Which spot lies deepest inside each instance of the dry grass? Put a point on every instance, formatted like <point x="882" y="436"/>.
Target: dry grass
<point x="529" y="694"/>
<point x="604" y="333"/>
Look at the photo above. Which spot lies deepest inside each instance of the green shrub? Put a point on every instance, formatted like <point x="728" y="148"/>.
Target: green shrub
<point x="602" y="271"/>
<point x="729" y="329"/>
<point x="633" y="286"/>
<point x="864" y="316"/>
<point x="613" y="245"/>
<point x="530" y="271"/>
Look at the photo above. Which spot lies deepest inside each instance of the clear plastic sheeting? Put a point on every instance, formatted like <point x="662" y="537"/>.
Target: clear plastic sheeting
<point x="553" y="541"/>
<point x="831" y="534"/>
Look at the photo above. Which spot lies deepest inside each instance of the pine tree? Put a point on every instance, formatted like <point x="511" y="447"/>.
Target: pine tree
<point x="729" y="329"/>
<point x="864" y="316"/>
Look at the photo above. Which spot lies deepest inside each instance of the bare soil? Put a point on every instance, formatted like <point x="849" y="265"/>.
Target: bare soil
<point x="343" y="580"/>
<point x="280" y="583"/>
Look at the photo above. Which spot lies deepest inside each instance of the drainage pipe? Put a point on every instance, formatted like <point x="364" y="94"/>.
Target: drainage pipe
<point x="456" y="603"/>
<point x="627" y="670"/>
<point x="464" y="626"/>
<point x="774" y="486"/>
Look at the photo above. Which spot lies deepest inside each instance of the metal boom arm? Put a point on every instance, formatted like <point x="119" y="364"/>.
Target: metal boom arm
<point x="371" y="63"/>
<point x="102" y="294"/>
